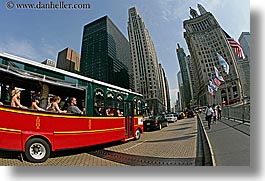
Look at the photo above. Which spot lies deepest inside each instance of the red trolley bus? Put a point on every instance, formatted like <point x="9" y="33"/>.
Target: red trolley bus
<point x="110" y="114"/>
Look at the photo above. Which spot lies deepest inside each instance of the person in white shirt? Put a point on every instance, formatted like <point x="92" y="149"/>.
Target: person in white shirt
<point x="208" y="115"/>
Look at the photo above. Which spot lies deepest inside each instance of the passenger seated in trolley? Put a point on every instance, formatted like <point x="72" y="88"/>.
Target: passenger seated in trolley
<point x="110" y="112"/>
<point x="72" y="108"/>
<point x="99" y="110"/>
<point x="54" y="105"/>
<point x="119" y="113"/>
<point x="15" y="101"/>
<point x="34" y="104"/>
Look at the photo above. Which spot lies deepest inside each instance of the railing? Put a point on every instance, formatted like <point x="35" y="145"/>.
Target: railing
<point x="205" y="156"/>
<point x="237" y="112"/>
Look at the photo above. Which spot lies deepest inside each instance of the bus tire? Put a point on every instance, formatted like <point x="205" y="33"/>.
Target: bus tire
<point x="137" y="134"/>
<point x="37" y="150"/>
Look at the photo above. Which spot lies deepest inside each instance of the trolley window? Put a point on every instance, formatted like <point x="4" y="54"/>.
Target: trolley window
<point x="99" y="108"/>
<point x="135" y="106"/>
<point x="120" y="105"/>
<point x="110" y="104"/>
<point x="140" y="107"/>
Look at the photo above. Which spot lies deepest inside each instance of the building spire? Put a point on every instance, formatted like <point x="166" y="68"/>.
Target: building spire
<point x="201" y="9"/>
<point x="193" y="13"/>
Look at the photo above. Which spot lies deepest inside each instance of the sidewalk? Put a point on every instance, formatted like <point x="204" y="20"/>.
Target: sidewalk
<point x="230" y="142"/>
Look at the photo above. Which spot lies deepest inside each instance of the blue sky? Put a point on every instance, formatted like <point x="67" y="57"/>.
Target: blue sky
<point x="41" y="34"/>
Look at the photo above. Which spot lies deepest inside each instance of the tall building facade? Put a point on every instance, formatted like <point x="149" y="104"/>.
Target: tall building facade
<point x="193" y="80"/>
<point x="145" y="62"/>
<point x="244" y="73"/>
<point x="105" y="53"/>
<point x="244" y="40"/>
<point x="205" y="38"/>
<point x="165" y="89"/>
<point x="69" y="60"/>
<point x="181" y="100"/>
<point x="185" y="76"/>
<point x="243" y="64"/>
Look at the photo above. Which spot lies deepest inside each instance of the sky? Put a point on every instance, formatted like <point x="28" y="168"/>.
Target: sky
<point x="38" y="34"/>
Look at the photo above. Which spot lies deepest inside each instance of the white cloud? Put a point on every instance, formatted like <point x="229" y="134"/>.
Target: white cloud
<point x="172" y="9"/>
<point x="49" y="49"/>
<point x="22" y="48"/>
<point x="26" y="49"/>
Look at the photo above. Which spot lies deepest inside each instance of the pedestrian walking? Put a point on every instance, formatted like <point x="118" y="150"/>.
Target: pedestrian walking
<point x="208" y="115"/>
<point x="215" y="113"/>
<point x="219" y="110"/>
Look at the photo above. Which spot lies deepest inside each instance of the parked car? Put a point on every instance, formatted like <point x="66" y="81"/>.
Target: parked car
<point x="171" y="118"/>
<point x="155" y="122"/>
<point x="180" y="115"/>
<point x="190" y="114"/>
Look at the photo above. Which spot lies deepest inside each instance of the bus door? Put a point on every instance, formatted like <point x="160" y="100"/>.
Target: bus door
<point x="128" y="111"/>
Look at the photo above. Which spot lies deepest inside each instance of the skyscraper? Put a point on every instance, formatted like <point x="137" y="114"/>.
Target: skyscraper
<point x="243" y="64"/>
<point x="145" y="62"/>
<point x="181" y="101"/>
<point x="69" y="60"/>
<point x="165" y="89"/>
<point x="193" y="80"/>
<point x="105" y="53"/>
<point x="185" y="76"/>
<point x="205" y="38"/>
<point x="244" y="41"/>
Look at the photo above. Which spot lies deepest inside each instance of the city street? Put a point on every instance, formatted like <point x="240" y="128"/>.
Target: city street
<point x="172" y="146"/>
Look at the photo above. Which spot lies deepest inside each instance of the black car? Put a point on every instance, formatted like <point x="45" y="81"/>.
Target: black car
<point x="155" y="122"/>
<point x="190" y="114"/>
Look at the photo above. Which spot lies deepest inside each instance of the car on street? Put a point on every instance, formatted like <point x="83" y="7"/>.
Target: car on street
<point x="171" y="118"/>
<point x="155" y="123"/>
<point x="190" y="114"/>
<point x="180" y="115"/>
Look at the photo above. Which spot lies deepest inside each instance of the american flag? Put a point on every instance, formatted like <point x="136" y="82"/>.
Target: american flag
<point x="216" y="81"/>
<point x="210" y="90"/>
<point x="213" y="86"/>
<point x="235" y="45"/>
<point x="217" y="73"/>
<point x="223" y="63"/>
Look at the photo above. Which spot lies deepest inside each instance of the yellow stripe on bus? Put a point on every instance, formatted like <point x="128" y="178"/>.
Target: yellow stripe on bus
<point x="10" y="130"/>
<point x="67" y="132"/>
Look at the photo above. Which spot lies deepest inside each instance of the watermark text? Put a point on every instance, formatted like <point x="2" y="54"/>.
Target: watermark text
<point x="48" y="5"/>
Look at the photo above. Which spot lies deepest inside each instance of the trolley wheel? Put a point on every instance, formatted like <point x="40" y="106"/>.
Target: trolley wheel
<point x="37" y="150"/>
<point x="137" y="134"/>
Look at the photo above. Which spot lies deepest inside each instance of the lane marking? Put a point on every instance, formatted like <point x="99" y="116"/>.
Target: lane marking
<point x="133" y="146"/>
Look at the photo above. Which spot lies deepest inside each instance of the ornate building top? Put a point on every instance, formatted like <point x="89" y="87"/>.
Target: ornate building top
<point x="193" y="13"/>
<point x="201" y="9"/>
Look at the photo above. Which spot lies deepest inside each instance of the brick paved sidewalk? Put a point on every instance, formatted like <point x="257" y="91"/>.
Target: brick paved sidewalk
<point x="176" y="141"/>
<point x="173" y="145"/>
